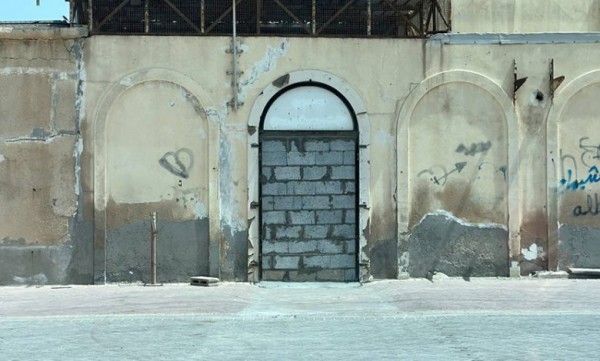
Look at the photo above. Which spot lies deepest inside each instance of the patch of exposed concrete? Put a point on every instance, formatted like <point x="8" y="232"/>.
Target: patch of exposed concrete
<point x="34" y="264"/>
<point x="182" y="251"/>
<point x="442" y="243"/>
<point x="384" y="259"/>
<point x="579" y="247"/>
<point x="234" y="254"/>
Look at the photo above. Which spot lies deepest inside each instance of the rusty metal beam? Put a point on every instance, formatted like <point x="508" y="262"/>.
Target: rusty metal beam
<point x="292" y="15"/>
<point x="221" y="17"/>
<point x="182" y="15"/>
<point x="90" y="16"/>
<point x="202" y="16"/>
<point x="406" y="20"/>
<point x="112" y="13"/>
<point x="338" y="13"/>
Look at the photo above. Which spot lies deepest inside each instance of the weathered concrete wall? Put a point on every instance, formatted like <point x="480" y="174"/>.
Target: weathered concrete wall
<point x="458" y="171"/>
<point x="40" y="145"/>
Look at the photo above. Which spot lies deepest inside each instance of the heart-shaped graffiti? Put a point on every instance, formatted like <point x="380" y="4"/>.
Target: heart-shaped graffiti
<point x="176" y="164"/>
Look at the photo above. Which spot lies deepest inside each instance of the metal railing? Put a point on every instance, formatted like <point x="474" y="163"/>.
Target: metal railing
<point x="347" y="18"/>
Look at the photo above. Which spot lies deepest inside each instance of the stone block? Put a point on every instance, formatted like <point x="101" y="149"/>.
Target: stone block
<point x="350" y="274"/>
<point x="329" y="158"/>
<point x="286" y="262"/>
<point x="328" y="187"/>
<point x="347" y="231"/>
<point x="350" y="246"/>
<point x="266" y="173"/>
<point x="349" y="187"/>
<point x="275" y="217"/>
<point x="303" y="246"/>
<point x="302" y="217"/>
<point x="331" y="275"/>
<point x="274" y="146"/>
<point x="298" y="158"/>
<point x="315" y="232"/>
<point x="313" y="173"/>
<point x="330" y="261"/>
<point x="316" y="202"/>
<point x="329" y="217"/>
<point x="302" y="187"/>
<point x="316" y="145"/>
<point x="287" y="203"/>
<point x="349" y="158"/>
<point x="343" y="201"/>
<point x="327" y="246"/>
<point x="266" y="203"/>
<point x="270" y="275"/>
<point x="274" y="158"/>
<point x="288" y="232"/>
<point x="343" y="172"/>
<point x="302" y="276"/>
<point x="287" y="173"/>
<point x="342" y="144"/>
<point x="274" y="189"/>
<point x="275" y="247"/>
<point x="350" y="216"/>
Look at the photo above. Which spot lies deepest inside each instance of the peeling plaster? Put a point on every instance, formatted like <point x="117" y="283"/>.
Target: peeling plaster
<point x="533" y="252"/>
<point x="77" y="155"/>
<point x="264" y="65"/>
<point x="35" y="71"/>
<point x="200" y="210"/>
<point x="2" y="158"/>
<point x="229" y="206"/>
<point x="449" y="216"/>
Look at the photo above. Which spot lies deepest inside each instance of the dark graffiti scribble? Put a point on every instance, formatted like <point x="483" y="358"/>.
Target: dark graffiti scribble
<point x="441" y="176"/>
<point x="174" y="163"/>
<point x="588" y="151"/>
<point x="474" y="148"/>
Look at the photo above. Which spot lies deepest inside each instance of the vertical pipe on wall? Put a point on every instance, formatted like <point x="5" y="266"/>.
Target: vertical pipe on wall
<point x="146" y="17"/>
<point x="234" y="52"/>
<point x="153" y="233"/>
<point x="202" y="17"/>
<point x="90" y="16"/>
<point x="314" y="17"/>
<point x="258" y="15"/>
<point x="369" y="17"/>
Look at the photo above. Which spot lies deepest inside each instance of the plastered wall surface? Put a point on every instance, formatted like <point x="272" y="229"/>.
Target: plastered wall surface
<point x="459" y="171"/>
<point x="39" y="154"/>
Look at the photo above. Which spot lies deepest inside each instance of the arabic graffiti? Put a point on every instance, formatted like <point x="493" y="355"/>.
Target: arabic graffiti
<point x="178" y="163"/>
<point x="570" y="182"/>
<point x="592" y="207"/>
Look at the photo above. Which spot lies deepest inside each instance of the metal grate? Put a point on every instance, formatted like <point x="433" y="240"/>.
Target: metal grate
<point x="356" y="18"/>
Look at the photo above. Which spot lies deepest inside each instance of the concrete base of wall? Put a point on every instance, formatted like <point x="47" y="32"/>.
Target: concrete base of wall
<point x="579" y="247"/>
<point x="34" y="265"/>
<point x="182" y="251"/>
<point x="442" y="244"/>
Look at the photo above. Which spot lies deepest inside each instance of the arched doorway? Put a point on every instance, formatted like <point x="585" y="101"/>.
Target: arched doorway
<point x="308" y="191"/>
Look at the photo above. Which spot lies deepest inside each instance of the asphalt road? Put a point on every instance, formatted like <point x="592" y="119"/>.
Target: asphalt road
<point x="390" y="320"/>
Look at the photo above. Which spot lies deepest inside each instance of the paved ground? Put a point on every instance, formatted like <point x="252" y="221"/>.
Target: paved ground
<point x="450" y="319"/>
